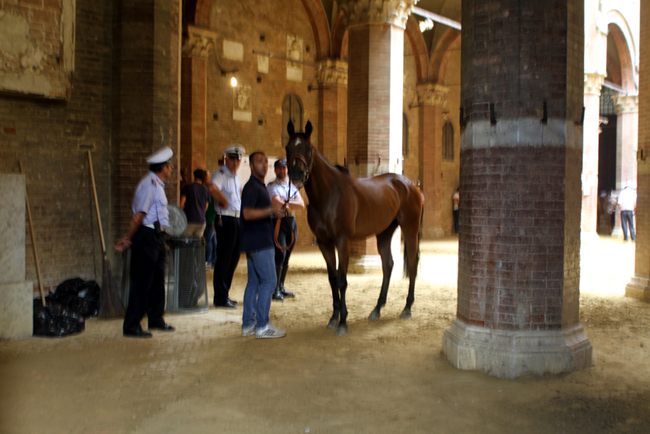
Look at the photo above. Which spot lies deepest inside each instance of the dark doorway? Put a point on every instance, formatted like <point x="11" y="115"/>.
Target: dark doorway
<point x="606" y="173"/>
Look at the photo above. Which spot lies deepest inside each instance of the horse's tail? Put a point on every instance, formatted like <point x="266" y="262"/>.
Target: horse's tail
<point x="417" y="255"/>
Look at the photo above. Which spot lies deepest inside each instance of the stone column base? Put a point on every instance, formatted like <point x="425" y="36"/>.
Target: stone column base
<point x="639" y="288"/>
<point x="507" y="354"/>
<point x="16" y="310"/>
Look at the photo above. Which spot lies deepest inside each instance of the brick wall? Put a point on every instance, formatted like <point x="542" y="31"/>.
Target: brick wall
<point x="51" y="139"/>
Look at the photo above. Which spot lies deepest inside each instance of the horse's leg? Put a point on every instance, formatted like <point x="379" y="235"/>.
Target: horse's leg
<point x="383" y="246"/>
<point x="343" y="247"/>
<point x="411" y="230"/>
<point x="330" y="259"/>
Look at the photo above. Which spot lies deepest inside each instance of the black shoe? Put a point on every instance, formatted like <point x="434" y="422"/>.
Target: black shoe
<point x="277" y="295"/>
<point x="232" y="301"/>
<point x="139" y="333"/>
<point x="287" y="293"/>
<point x="164" y="327"/>
<point x="229" y="304"/>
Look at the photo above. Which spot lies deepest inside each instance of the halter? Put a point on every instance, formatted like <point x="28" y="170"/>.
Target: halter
<point x="308" y="165"/>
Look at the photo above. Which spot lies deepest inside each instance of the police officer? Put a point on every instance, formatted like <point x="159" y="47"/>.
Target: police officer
<point x="283" y="192"/>
<point x="147" y="242"/>
<point x="225" y="188"/>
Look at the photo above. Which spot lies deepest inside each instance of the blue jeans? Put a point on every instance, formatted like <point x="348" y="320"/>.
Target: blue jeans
<point x="259" y="289"/>
<point x="210" y="244"/>
<point x="627" y="219"/>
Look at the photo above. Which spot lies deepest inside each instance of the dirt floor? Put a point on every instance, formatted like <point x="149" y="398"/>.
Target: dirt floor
<point x="388" y="376"/>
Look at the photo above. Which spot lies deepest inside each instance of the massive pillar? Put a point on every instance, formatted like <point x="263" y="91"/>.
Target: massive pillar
<point x="639" y="286"/>
<point x="627" y="130"/>
<point x="593" y="83"/>
<point x="432" y="101"/>
<point x="375" y="97"/>
<point x="521" y="160"/>
<point x="332" y="79"/>
<point x="196" y="49"/>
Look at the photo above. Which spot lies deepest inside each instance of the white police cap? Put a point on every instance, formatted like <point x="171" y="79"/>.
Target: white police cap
<point x="162" y="155"/>
<point x="235" y="150"/>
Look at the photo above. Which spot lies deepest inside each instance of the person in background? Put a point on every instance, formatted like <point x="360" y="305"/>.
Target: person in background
<point x="456" y="210"/>
<point x="210" y="236"/>
<point x="627" y="202"/>
<point x="226" y="191"/>
<point x="283" y="193"/>
<point x="257" y="242"/>
<point x="147" y="242"/>
<point x="194" y="201"/>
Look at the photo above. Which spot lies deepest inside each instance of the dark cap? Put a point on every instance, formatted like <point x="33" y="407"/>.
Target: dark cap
<point x="281" y="162"/>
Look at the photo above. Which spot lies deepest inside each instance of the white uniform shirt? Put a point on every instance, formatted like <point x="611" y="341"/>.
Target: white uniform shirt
<point x="278" y="188"/>
<point x="150" y="199"/>
<point x="455" y="196"/>
<point x="627" y="199"/>
<point x="229" y="186"/>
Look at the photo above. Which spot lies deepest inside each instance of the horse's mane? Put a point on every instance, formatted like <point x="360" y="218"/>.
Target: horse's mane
<point x="343" y="169"/>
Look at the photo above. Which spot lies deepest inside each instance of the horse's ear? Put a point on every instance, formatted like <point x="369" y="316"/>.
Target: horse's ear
<point x="290" y="129"/>
<point x="308" y="129"/>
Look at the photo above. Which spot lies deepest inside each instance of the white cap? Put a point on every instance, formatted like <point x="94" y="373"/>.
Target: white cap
<point x="235" y="150"/>
<point x="162" y="155"/>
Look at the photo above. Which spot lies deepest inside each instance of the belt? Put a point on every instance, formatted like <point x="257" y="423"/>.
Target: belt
<point x="229" y="213"/>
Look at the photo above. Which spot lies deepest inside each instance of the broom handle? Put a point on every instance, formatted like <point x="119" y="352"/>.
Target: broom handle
<point x="99" y="219"/>
<point x="31" y="231"/>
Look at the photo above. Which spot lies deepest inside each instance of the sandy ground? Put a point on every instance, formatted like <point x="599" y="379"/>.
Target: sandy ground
<point x="388" y="376"/>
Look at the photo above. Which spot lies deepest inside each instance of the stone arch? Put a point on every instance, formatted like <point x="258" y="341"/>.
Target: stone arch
<point x="314" y="9"/>
<point x="625" y="50"/>
<point x="436" y="74"/>
<point x="418" y="47"/>
<point x="339" y="37"/>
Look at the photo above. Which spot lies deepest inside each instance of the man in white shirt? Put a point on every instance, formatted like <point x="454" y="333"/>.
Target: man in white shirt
<point x="225" y="188"/>
<point x="627" y="202"/>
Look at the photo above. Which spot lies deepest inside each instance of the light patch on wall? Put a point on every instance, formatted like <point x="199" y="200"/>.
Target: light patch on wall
<point x="233" y="50"/>
<point x="294" y="58"/>
<point x="241" y="104"/>
<point x="262" y="64"/>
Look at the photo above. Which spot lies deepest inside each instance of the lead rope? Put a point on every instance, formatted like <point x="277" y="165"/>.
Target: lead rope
<point x="277" y="227"/>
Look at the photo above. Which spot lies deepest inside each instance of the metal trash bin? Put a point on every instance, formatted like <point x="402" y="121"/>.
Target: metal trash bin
<point x="187" y="290"/>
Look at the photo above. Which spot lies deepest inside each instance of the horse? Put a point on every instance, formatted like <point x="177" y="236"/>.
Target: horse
<point x="343" y="208"/>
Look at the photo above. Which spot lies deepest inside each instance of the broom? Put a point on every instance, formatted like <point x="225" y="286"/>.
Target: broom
<point x="110" y="304"/>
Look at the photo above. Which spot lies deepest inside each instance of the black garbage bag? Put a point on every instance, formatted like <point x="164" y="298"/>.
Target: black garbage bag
<point x="80" y="295"/>
<point x="56" y="319"/>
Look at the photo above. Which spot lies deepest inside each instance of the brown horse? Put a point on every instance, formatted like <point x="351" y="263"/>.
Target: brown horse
<point x="344" y="208"/>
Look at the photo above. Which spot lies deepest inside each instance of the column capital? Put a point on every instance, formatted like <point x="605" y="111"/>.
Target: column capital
<point x="432" y="94"/>
<point x="359" y="12"/>
<point x="626" y="104"/>
<point x="593" y="83"/>
<point x="199" y="42"/>
<point x="332" y="71"/>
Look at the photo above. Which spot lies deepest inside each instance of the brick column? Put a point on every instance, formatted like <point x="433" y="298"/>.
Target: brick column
<point x="639" y="286"/>
<point x="147" y="99"/>
<point x="432" y="101"/>
<point x="519" y="243"/>
<point x="332" y="79"/>
<point x="591" y="129"/>
<point x="375" y="97"/>
<point x="196" y="49"/>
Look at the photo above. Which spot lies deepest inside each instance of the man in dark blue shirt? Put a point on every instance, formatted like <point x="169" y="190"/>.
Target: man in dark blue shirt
<point x="257" y="242"/>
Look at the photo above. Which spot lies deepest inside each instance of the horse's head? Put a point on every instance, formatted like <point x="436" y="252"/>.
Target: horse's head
<point x="299" y="154"/>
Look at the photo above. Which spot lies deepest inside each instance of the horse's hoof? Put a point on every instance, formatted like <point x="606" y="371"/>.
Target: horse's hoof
<point x="342" y="331"/>
<point x="333" y="324"/>
<point x="374" y="315"/>
<point x="406" y="314"/>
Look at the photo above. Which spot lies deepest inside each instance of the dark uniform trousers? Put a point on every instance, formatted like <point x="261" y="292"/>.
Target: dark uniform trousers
<point x="147" y="291"/>
<point x="228" y="252"/>
<point x="287" y="226"/>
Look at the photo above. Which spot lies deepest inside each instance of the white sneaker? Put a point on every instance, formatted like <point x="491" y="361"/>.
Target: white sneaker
<point x="248" y="331"/>
<point x="270" y="332"/>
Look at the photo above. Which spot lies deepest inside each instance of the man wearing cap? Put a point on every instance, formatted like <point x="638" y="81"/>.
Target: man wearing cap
<point x="283" y="193"/>
<point x="225" y="188"/>
<point x="146" y="239"/>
